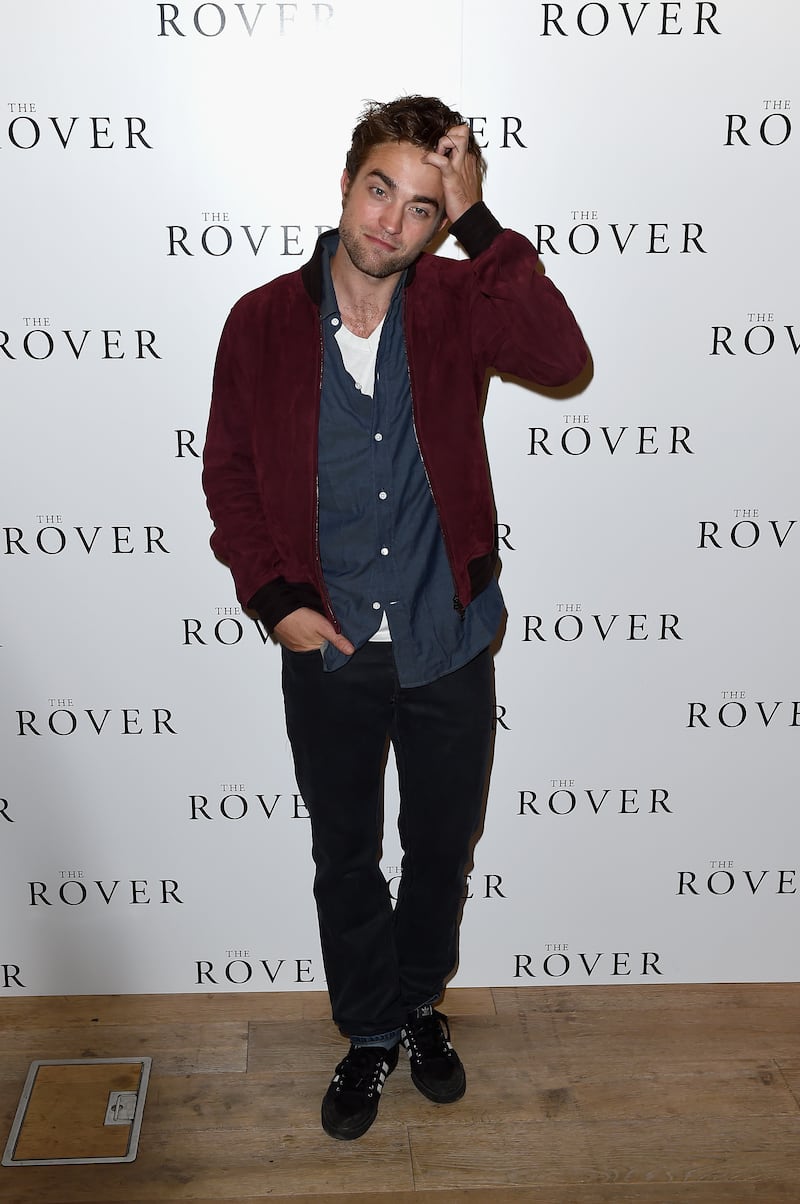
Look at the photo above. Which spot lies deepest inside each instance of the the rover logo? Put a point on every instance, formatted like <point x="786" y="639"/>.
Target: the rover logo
<point x="212" y="20"/>
<point x="632" y="18"/>
<point x="27" y="130"/>
<point x="559" y="962"/>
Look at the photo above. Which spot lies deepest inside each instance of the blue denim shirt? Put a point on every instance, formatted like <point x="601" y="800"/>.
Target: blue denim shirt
<point x="381" y="545"/>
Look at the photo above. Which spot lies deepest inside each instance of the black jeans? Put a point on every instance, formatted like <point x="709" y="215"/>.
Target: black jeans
<point x="382" y="962"/>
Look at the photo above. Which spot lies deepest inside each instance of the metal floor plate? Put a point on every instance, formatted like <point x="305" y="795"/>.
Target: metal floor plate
<point x="79" y="1111"/>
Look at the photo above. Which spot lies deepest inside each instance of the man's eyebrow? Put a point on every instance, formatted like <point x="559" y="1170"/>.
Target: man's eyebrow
<point x="392" y="185"/>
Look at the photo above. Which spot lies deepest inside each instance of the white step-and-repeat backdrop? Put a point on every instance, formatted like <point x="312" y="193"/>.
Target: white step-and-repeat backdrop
<point x="159" y="160"/>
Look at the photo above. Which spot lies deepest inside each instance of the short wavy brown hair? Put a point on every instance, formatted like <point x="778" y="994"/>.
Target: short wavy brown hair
<point x="420" y="120"/>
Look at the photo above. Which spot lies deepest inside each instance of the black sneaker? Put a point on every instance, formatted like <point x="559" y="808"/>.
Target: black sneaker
<point x="436" y="1069"/>
<point x="350" y="1104"/>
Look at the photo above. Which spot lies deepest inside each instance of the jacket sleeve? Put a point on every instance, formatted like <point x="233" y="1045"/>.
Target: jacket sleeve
<point x="243" y="537"/>
<point x="521" y="323"/>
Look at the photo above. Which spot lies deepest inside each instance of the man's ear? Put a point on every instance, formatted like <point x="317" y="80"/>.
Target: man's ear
<point x="344" y="183"/>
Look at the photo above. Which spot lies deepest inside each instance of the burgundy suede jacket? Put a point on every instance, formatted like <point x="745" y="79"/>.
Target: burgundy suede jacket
<point x="462" y="319"/>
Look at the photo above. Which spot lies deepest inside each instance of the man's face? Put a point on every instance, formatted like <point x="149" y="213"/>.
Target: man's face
<point x="391" y="210"/>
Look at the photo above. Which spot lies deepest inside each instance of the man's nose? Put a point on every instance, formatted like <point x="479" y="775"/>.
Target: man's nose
<point x="392" y="217"/>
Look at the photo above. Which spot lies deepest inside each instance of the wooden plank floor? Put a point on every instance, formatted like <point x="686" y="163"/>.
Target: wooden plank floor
<point x="599" y="1095"/>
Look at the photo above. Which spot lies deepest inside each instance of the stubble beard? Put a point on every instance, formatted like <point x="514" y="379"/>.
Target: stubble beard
<point x="372" y="262"/>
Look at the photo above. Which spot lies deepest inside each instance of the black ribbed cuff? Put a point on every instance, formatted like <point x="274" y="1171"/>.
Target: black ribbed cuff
<point x="476" y="229"/>
<point x="278" y="598"/>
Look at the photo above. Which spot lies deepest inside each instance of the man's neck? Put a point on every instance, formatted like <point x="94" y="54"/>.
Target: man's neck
<point x="363" y="300"/>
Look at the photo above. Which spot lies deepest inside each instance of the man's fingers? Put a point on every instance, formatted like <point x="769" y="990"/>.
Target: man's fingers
<point x="328" y="632"/>
<point x="343" y="644"/>
<point x="304" y="630"/>
<point x="451" y="145"/>
<point x="438" y="159"/>
<point x="455" y="139"/>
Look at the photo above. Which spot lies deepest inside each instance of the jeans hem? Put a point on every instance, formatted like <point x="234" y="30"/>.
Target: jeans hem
<point x="388" y="1040"/>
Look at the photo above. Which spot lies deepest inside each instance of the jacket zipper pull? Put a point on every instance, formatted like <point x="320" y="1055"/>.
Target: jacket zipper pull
<point x="458" y="607"/>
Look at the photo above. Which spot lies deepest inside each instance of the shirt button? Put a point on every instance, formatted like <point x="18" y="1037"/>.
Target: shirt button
<point x="334" y="321"/>
<point x="383" y="495"/>
<point x="376" y="605"/>
<point x="384" y="551"/>
<point x="378" y="437"/>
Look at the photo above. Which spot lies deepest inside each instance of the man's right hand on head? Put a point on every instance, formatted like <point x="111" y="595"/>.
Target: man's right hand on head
<point x="306" y="630"/>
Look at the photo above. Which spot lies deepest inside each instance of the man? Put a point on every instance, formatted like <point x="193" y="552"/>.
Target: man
<point x="346" y="477"/>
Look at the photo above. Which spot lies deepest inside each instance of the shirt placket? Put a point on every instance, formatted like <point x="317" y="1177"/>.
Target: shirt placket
<point x="383" y="488"/>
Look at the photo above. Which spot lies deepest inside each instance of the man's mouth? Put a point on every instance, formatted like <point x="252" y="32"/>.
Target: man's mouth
<point x="380" y="242"/>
